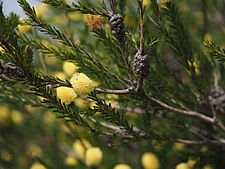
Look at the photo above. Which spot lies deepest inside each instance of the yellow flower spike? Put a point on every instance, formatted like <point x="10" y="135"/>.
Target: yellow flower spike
<point x="69" y="68"/>
<point x="93" y="156"/>
<point x="150" y="161"/>
<point x="37" y="166"/>
<point x="191" y="162"/>
<point x="182" y="166"/>
<point x="93" y="21"/>
<point x="5" y="155"/>
<point x="82" y="84"/>
<point x="17" y="117"/>
<point x="24" y="28"/>
<point x="122" y="166"/>
<point x="71" y="161"/>
<point x="66" y="94"/>
<point x="79" y="149"/>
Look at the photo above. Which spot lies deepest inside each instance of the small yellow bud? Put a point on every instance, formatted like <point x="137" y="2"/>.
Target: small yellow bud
<point x="24" y="28"/>
<point x="82" y="84"/>
<point x="69" y="68"/>
<point x="93" y="156"/>
<point x="71" y="161"/>
<point x="66" y="94"/>
<point x="150" y="161"/>
<point x="79" y="149"/>
<point x="17" y="117"/>
<point x="182" y="166"/>
<point x="122" y="166"/>
<point x="37" y="166"/>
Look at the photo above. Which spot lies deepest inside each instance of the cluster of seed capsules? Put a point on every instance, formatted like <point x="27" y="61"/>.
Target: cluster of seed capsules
<point x="11" y="71"/>
<point x="141" y="60"/>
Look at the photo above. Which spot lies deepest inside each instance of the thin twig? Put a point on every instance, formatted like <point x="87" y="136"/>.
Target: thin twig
<point x="187" y="113"/>
<point x="111" y="91"/>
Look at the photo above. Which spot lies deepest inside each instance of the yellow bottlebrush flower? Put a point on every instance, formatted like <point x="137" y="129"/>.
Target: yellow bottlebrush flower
<point x="207" y="167"/>
<point x="34" y="150"/>
<point x="60" y="75"/>
<point x="71" y="161"/>
<point x="70" y="68"/>
<point x="75" y="16"/>
<point x="17" y="117"/>
<point x="41" y="10"/>
<point x="37" y="166"/>
<point x="182" y="166"/>
<point x="66" y="94"/>
<point x="5" y="155"/>
<point x="178" y="146"/>
<point x="191" y="162"/>
<point x="24" y="28"/>
<point x="82" y="84"/>
<point x="93" y="156"/>
<point x="150" y="161"/>
<point x="79" y="148"/>
<point x="4" y="115"/>
<point x="122" y="166"/>
<point x="94" y="21"/>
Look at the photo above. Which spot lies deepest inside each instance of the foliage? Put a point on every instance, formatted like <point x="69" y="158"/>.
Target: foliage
<point x="174" y="114"/>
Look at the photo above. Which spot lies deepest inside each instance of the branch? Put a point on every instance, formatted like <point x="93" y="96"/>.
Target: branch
<point x="187" y="113"/>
